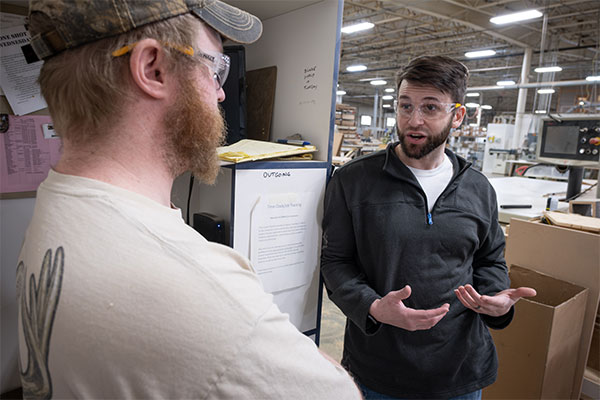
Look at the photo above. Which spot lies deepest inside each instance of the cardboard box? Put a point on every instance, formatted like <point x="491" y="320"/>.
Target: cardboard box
<point x="563" y="253"/>
<point x="537" y="352"/>
<point x="594" y="357"/>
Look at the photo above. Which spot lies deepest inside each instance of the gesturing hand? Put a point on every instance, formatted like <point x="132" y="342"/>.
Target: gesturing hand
<point x="391" y="310"/>
<point x="496" y="305"/>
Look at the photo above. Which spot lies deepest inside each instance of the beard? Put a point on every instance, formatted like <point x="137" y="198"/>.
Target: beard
<point x="194" y="131"/>
<point x="432" y="142"/>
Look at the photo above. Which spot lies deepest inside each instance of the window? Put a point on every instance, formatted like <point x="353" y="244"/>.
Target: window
<point x="390" y="122"/>
<point x="365" y="120"/>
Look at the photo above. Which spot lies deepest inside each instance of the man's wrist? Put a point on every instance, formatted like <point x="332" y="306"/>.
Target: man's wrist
<point x="372" y="325"/>
<point x="373" y="306"/>
<point x="371" y="314"/>
<point x="372" y="319"/>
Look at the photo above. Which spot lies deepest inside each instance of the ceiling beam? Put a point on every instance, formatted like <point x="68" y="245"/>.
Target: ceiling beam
<point x="481" y="22"/>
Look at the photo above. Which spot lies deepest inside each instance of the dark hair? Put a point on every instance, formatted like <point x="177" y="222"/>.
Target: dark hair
<point x="443" y="73"/>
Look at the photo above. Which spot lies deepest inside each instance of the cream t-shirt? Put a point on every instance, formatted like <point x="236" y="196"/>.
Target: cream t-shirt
<point x="119" y="298"/>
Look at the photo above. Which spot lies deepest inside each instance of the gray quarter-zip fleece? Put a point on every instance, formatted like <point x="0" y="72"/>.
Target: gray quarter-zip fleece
<point x="379" y="237"/>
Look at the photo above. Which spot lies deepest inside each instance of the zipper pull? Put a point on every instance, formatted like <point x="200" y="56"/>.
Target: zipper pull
<point x="429" y="219"/>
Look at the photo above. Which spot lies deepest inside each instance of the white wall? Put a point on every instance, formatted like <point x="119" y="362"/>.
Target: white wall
<point x="301" y="43"/>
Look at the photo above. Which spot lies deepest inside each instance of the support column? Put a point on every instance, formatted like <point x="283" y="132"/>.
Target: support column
<point x="375" y="109"/>
<point x="521" y="101"/>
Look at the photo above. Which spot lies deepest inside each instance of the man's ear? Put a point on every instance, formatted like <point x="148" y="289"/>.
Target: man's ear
<point x="148" y="68"/>
<point x="459" y="114"/>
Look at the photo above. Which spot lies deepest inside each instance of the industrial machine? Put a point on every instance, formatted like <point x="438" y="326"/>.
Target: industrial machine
<point x="570" y="140"/>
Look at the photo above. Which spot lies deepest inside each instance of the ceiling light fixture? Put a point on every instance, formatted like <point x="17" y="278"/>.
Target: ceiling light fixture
<point x="546" y="91"/>
<point x="486" y="107"/>
<point x="480" y="53"/>
<point x="505" y="83"/>
<point x="541" y="70"/>
<point x="356" y="68"/>
<point x="378" y="82"/>
<point x="515" y="17"/>
<point x="473" y="94"/>
<point x="386" y="105"/>
<point x="340" y="92"/>
<point x="540" y="111"/>
<point x="357" y="27"/>
<point x="390" y="90"/>
<point x="471" y="105"/>
<point x="593" y="78"/>
<point x="387" y="97"/>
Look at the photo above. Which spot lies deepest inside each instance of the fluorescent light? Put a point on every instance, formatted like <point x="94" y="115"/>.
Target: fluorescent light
<point x="505" y="83"/>
<point x="386" y="105"/>
<point x="473" y="124"/>
<point x="479" y="53"/>
<point x="473" y="94"/>
<point x="486" y="107"/>
<point x="471" y="105"/>
<point x="390" y="90"/>
<point x="357" y="27"/>
<point x="340" y="92"/>
<point x="378" y="82"/>
<point x="387" y="97"/>
<point x="356" y="68"/>
<point x="520" y="16"/>
<point x="554" y="68"/>
<point x="593" y="78"/>
<point x="546" y="91"/>
<point x="540" y="111"/>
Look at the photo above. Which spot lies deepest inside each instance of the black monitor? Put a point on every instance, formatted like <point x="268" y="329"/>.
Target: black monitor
<point x="567" y="140"/>
<point x="570" y="140"/>
<point x="234" y="106"/>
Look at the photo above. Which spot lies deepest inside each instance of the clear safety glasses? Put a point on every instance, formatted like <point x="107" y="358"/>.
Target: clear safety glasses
<point x="217" y="63"/>
<point x="428" y="110"/>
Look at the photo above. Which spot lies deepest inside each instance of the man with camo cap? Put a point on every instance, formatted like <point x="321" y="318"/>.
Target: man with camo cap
<point x="117" y="296"/>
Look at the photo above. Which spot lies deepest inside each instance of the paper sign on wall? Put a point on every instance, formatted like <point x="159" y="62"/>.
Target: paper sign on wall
<point x="17" y="78"/>
<point x="26" y="154"/>
<point x="282" y="237"/>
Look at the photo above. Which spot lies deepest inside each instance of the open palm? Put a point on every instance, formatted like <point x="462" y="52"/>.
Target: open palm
<point x="496" y="305"/>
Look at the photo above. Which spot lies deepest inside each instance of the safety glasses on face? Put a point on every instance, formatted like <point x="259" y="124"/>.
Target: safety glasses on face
<point x="428" y="110"/>
<point x="217" y="63"/>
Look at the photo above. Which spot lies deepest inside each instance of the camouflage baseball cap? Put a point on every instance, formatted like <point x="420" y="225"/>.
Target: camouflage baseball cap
<point x="57" y="25"/>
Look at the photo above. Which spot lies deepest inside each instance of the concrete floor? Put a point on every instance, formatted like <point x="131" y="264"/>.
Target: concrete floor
<point x="333" y="322"/>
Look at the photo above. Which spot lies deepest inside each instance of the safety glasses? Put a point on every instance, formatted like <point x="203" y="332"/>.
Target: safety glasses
<point x="217" y="63"/>
<point x="428" y="110"/>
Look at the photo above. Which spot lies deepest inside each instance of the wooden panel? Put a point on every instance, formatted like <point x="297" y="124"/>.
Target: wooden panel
<point x="574" y="221"/>
<point x="260" y="98"/>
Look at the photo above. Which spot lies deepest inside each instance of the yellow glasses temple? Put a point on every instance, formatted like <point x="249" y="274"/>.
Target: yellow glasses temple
<point x="189" y="50"/>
